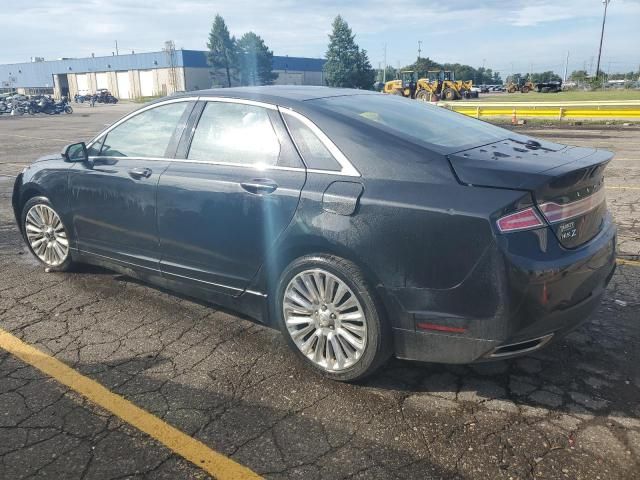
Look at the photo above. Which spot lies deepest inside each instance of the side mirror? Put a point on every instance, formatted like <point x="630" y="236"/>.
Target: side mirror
<point x="76" y="152"/>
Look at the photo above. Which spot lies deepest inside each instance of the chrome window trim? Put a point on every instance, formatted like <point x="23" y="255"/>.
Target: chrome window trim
<point x="241" y="101"/>
<point x="347" y="167"/>
<point x="137" y="112"/>
<point x="206" y="162"/>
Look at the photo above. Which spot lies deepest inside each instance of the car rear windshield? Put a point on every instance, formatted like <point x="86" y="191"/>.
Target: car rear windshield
<point x="434" y="125"/>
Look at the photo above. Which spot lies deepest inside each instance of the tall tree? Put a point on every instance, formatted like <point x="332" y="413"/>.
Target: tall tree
<point x="347" y="65"/>
<point x="222" y="49"/>
<point x="255" y="61"/>
<point x="423" y="65"/>
<point x="548" y="76"/>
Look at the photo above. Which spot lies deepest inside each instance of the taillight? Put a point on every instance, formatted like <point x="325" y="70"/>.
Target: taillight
<point x="555" y="212"/>
<point x="523" y="220"/>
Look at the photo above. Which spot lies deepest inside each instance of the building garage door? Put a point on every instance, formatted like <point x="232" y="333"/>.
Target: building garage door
<point x="102" y="81"/>
<point x="83" y="83"/>
<point x="146" y="83"/>
<point x="123" y="84"/>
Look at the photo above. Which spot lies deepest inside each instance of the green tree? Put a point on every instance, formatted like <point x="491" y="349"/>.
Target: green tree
<point x="390" y="74"/>
<point x="255" y="61"/>
<point x="222" y="49"/>
<point x="461" y="72"/>
<point x="545" y="77"/>
<point x="347" y="65"/>
<point x="422" y="65"/>
<point x="579" y="76"/>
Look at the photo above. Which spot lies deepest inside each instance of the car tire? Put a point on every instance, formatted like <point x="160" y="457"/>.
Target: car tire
<point x="41" y="224"/>
<point x="332" y="341"/>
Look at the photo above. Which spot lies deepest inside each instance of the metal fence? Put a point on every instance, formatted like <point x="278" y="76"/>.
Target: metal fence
<point x="599" y="110"/>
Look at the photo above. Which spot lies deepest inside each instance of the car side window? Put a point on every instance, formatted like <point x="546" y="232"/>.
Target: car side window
<point x="314" y="153"/>
<point x="235" y="133"/>
<point x="146" y="134"/>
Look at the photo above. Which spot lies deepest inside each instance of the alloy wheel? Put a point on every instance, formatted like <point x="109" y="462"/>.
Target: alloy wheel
<point x="46" y="235"/>
<point x="325" y="319"/>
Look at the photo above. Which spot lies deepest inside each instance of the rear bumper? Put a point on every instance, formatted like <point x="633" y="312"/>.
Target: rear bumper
<point x="509" y="305"/>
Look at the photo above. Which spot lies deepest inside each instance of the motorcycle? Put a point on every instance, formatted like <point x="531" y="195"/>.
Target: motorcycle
<point x="56" y="108"/>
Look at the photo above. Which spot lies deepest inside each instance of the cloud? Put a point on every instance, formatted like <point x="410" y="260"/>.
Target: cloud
<point x="500" y="31"/>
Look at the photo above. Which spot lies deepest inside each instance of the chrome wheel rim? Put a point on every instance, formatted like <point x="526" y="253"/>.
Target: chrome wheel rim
<point x="325" y="319"/>
<point x="46" y="235"/>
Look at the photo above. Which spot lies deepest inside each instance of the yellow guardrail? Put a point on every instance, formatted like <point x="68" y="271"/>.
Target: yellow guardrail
<point x="558" y="111"/>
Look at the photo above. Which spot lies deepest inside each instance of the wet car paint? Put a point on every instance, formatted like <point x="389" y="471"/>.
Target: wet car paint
<point x="424" y="237"/>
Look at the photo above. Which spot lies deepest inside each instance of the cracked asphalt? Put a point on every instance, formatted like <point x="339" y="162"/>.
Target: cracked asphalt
<point x="571" y="411"/>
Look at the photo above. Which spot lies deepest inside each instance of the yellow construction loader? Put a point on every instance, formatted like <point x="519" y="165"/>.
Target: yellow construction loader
<point x="404" y="86"/>
<point x="440" y="84"/>
<point x="444" y="85"/>
<point x="523" y="86"/>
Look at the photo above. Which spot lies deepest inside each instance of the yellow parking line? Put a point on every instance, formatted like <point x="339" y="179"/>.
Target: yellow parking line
<point x="635" y="263"/>
<point x="214" y="463"/>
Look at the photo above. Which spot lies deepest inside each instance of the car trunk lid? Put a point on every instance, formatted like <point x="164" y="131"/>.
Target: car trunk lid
<point x="567" y="183"/>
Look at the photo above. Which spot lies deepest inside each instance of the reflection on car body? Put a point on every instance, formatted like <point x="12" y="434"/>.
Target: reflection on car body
<point x="361" y="225"/>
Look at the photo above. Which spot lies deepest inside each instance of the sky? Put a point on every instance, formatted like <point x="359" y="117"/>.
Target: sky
<point x="504" y="35"/>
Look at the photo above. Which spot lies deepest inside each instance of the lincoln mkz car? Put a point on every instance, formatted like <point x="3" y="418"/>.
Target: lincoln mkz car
<point x="361" y="225"/>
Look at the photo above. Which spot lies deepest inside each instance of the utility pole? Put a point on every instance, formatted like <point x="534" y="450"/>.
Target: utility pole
<point x="604" y="19"/>
<point x="566" y="69"/>
<point x="384" y="72"/>
<point x="170" y="50"/>
<point x="419" y="48"/>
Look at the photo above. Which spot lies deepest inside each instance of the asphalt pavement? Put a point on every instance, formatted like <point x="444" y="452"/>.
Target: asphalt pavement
<point x="571" y="411"/>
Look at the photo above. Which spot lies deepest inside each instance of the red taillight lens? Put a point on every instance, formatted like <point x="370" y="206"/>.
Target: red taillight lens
<point x="523" y="220"/>
<point x="555" y="212"/>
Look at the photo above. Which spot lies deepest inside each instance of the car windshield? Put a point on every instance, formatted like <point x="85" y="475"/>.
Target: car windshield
<point x="441" y="128"/>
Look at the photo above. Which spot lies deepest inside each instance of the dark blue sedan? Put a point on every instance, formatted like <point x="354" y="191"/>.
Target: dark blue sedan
<point x="361" y="225"/>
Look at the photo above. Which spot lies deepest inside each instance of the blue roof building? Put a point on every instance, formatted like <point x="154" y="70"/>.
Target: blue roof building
<point x="139" y="74"/>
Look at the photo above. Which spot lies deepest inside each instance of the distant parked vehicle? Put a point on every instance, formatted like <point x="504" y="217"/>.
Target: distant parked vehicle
<point x="104" y="96"/>
<point x="549" y="87"/>
<point x="101" y="96"/>
<point x="34" y="105"/>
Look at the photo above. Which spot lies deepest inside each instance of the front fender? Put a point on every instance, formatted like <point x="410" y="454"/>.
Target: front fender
<point x="48" y="179"/>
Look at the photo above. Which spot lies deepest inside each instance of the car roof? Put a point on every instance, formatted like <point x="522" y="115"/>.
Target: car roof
<point x="284" y="95"/>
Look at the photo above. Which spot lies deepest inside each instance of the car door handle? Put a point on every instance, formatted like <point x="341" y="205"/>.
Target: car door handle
<point x="260" y="186"/>
<point x="140" y="172"/>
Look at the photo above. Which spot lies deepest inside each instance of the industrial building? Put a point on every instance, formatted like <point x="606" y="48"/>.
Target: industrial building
<point x="138" y="74"/>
